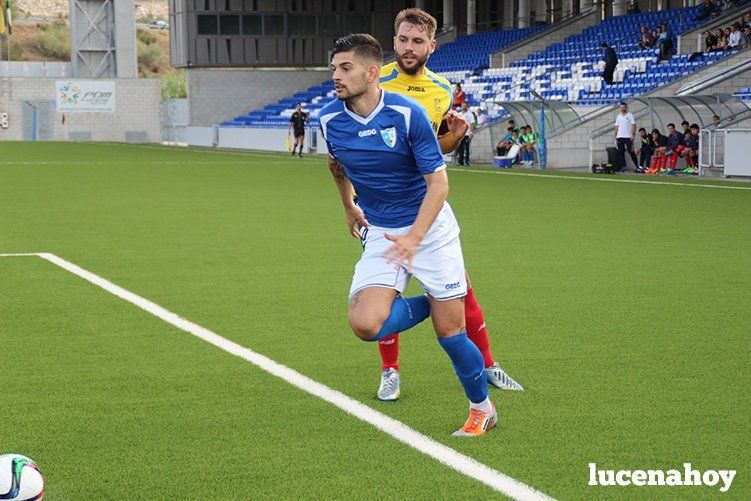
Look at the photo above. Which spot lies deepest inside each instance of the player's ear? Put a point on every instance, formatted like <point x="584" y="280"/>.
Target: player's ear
<point x="432" y="46"/>
<point x="394" y="44"/>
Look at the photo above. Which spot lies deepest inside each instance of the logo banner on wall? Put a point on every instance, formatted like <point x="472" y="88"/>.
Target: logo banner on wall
<point x="85" y="95"/>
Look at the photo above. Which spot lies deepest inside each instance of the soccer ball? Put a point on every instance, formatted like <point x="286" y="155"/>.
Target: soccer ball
<point x="20" y="478"/>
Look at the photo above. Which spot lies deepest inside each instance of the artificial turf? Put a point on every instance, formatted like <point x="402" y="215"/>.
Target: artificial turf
<point x="621" y="307"/>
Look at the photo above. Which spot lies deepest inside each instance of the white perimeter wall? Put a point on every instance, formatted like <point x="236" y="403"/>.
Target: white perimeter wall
<point x="136" y="105"/>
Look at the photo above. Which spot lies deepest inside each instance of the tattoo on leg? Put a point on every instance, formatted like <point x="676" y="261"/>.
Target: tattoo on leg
<point x="354" y="300"/>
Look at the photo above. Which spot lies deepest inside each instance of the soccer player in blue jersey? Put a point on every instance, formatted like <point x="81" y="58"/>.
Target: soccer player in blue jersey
<point x="387" y="150"/>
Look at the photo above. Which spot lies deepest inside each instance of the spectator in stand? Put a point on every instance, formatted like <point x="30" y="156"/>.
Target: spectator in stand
<point x="719" y="6"/>
<point x="660" y="144"/>
<point x="666" y="42"/>
<point x="727" y="33"/>
<point x="528" y="142"/>
<point x="715" y="121"/>
<point x="747" y="35"/>
<point x="706" y="11"/>
<point x="748" y="20"/>
<point x="459" y="96"/>
<point x="611" y="61"/>
<point x="722" y="41"/>
<point x="646" y="148"/>
<point x="647" y="40"/>
<point x="735" y="40"/>
<point x="711" y="41"/>
<point x="625" y="133"/>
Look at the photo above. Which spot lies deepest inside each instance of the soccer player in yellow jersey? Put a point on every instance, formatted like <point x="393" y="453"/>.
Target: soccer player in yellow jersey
<point x="414" y="41"/>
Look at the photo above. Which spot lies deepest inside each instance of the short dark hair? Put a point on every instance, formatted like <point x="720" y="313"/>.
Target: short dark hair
<point x="365" y="46"/>
<point x="418" y="17"/>
<point x="671" y="125"/>
<point x="655" y="131"/>
<point x="685" y="122"/>
<point x="510" y="129"/>
<point x="642" y="129"/>
<point x="695" y="126"/>
<point x="512" y="121"/>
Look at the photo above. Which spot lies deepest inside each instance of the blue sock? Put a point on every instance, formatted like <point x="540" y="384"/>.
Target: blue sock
<point x="405" y="314"/>
<point x="468" y="365"/>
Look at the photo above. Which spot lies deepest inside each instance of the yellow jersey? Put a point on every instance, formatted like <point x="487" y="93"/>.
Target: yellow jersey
<point x="431" y="90"/>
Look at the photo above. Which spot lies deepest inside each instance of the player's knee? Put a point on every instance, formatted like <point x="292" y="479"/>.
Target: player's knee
<point x="366" y="327"/>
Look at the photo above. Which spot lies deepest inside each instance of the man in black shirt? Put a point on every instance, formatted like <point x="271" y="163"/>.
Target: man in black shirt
<point x="297" y="122"/>
<point x="611" y="61"/>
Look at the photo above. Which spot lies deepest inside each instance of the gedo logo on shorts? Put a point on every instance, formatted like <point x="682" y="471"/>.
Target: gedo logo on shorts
<point x="365" y="133"/>
<point x="455" y="285"/>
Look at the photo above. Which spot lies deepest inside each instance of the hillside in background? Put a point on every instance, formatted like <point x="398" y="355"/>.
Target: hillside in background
<point x="145" y="9"/>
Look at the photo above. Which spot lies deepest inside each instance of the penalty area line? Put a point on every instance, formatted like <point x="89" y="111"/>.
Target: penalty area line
<point x="396" y="429"/>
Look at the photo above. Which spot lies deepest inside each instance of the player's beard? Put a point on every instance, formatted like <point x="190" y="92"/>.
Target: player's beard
<point x="417" y="68"/>
<point x="354" y="92"/>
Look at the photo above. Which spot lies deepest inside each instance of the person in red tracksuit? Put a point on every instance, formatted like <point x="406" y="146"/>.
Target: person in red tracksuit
<point x="660" y="149"/>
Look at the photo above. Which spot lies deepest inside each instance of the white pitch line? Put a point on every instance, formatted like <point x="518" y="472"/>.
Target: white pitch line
<point x="601" y="179"/>
<point x="398" y="430"/>
<point x="20" y="254"/>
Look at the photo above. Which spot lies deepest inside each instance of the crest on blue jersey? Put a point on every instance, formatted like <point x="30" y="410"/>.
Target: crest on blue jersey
<point x="389" y="136"/>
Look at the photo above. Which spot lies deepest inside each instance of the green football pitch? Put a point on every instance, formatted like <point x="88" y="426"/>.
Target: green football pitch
<point x="621" y="306"/>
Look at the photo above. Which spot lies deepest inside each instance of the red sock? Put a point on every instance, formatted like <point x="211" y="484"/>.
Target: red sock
<point x="389" y="347"/>
<point x="476" y="331"/>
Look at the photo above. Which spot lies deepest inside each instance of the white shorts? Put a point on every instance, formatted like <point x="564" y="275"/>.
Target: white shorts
<point x="438" y="263"/>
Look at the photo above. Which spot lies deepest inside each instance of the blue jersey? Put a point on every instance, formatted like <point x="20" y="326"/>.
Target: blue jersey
<point x="385" y="155"/>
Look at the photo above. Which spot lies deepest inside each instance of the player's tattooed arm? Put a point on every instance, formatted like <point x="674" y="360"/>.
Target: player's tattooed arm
<point x="354" y="300"/>
<point x="353" y="215"/>
<point x="337" y="170"/>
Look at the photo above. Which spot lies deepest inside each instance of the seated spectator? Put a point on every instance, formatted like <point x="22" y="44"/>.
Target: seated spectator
<point x="528" y="142"/>
<point x="748" y="20"/>
<point x="722" y="40"/>
<point x="727" y="33"/>
<point x="735" y="40"/>
<point x="715" y="121"/>
<point x="512" y="124"/>
<point x="659" y="151"/>
<point x="711" y="41"/>
<point x="646" y="148"/>
<point x="685" y="127"/>
<point x="647" y="40"/>
<point x="747" y="35"/>
<point x="706" y="11"/>
<point x="666" y="42"/>
<point x="719" y="6"/>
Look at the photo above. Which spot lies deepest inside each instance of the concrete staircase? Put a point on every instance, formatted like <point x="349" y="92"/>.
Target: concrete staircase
<point x="556" y="33"/>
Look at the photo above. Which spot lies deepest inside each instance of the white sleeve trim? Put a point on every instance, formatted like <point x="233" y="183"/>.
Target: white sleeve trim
<point x="439" y="168"/>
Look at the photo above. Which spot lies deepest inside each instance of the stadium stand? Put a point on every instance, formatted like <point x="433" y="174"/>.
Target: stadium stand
<point x="568" y="71"/>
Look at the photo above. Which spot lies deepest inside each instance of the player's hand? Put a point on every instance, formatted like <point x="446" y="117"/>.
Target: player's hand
<point x="456" y="123"/>
<point x="355" y="218"/>
<point x="403" y="250"/>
